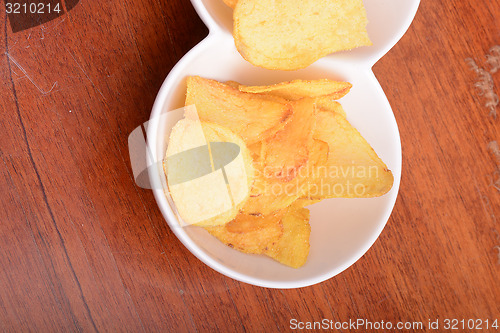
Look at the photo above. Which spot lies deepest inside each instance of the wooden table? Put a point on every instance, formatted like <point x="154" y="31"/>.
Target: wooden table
<point x="84" y="248"/>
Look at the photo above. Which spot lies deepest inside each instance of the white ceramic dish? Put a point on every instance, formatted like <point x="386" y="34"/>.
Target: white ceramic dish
<point x="342" y="229"/>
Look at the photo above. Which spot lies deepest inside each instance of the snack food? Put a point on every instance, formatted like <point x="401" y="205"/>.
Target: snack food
<point x="353" y="169"/>
<point x="298" y="89"/>
<point x="252" y="117"/>
<point x="293" y="246"/>
<point x="250" y="233"/>
<point x="288" y="150"/>
<point x="208" y="183"/>
<point x="292" y="34"/>
<point x="230" y="3"/>
<point x="298" y="148"/>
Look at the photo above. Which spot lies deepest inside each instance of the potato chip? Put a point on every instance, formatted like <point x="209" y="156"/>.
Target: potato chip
<point x="353" y="169"/>
<point x="317" y="161"/>
<point x="297" y="89"/>
<point x="288" y="150"/>
<point x="232" y="84"/>
<point x="293" y="246"/>
<point x="244" y="223"/>
<point x="255" y="150"/>
<point x="292" y="34"/>
<point x="269" y="194"/>
<point x="249" y="233"/>
<point x="295" y="148"/>
<point x="208" y="182"/>
<point x="326" y="103"/>
<point x="230" y="3"/>
<point x="253" y="117"/>
<point x="303" y="202"/>
<point x="319" y="154"/>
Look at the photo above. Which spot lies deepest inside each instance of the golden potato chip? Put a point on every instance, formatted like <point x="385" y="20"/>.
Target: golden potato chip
<point x="293" y="246"/>
<point x="318" y="157"/>
<point x="255" y="150"/>
<point x="326" y="103"/>
<point x="353" y="169"/>
<point x="295" y="148"/>
<point x="317" y="161"/>
<point x="303" y="202"/>
<point x="234" y="170"/>
<point x="209" y="172"/>
<point x="244" y="223"/>
<point x="250" y="234"/>
<point x="253" y="117"/>
<point x="292" y="34"/>
<point x="230" y="3"/>
<point x="232" y="84"/>
<point x="319" y="153"/>
<point x="269" y="194"/>
<point x="288" y="150"/>
<point x="297" y="89"/>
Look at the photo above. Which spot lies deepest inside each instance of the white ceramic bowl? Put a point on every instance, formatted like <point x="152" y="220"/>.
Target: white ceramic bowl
<point x="342" y="229"/>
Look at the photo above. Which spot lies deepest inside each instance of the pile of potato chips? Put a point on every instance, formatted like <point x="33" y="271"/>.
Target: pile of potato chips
<point x="296" y="147"/>
<point x="292" y="34"/>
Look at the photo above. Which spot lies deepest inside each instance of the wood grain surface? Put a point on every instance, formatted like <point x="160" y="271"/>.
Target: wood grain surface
<point x="82" y="248"/>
